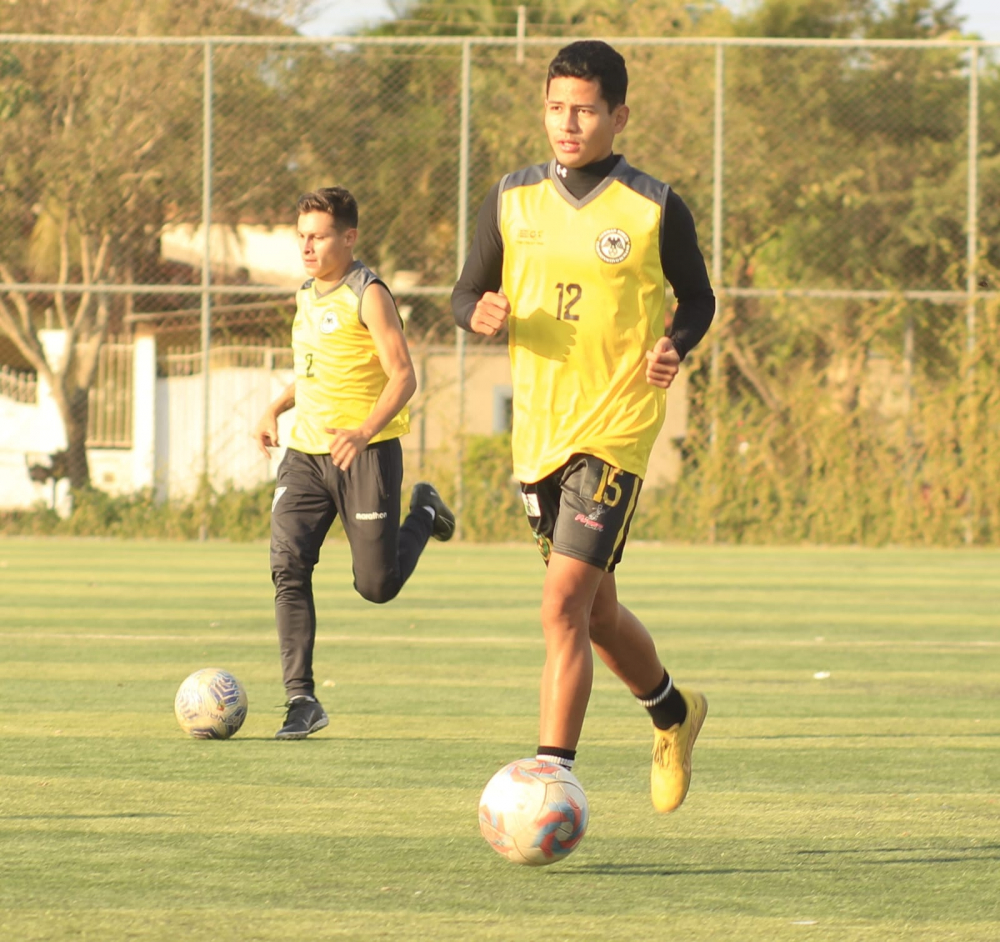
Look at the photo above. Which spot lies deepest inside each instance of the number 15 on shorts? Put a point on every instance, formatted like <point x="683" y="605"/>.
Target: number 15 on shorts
<point x="609" y="491"/>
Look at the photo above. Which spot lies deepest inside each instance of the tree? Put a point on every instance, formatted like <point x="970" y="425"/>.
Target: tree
<point x="846" y="177"/>
<point x="100" y="146"/>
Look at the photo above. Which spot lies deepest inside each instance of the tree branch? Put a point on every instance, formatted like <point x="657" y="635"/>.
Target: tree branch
<point x="22" y="332"/>
<point x="747" y="365"/>
<point x="91" y="270"/>
<point x="60" y="298"/>
<point x="20" y="302"/>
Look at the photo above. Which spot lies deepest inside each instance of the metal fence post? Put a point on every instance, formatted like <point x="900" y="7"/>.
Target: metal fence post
<point x="206" y="272"/>
<point x="972" y="251"/>
<point x="462" y="238"/>
<point x="717" y="198"/>
<point x="972" y="236"/>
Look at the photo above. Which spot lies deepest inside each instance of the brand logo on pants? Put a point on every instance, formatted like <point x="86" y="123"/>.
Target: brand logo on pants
<point x="371" y="515"/>
<point x="277" y="496"/>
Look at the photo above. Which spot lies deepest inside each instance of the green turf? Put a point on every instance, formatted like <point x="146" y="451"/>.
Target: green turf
<point x="863" y="805"/>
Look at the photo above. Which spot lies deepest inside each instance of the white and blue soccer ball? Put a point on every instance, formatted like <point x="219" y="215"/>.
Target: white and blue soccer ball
<point x="533" y="812"/>
<point x="211" y="704"/>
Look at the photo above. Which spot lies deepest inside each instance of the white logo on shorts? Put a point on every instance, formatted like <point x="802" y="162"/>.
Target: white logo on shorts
<point x="531" y="507"/>
<point x="277" y="497"/>
<point x="371" y="515"/>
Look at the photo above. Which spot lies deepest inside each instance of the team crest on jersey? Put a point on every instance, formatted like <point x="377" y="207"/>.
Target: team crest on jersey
<point x="329" y="323"/>
<point x="613" y="246"/>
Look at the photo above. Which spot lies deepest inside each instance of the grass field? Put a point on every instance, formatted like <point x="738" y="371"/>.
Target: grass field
<point x="846" y="785"/>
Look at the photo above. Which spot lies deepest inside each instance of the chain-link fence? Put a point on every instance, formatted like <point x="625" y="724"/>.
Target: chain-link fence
<point x="847" y="196"/>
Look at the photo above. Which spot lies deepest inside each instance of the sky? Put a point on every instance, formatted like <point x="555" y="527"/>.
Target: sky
<point x="339" y="17"/>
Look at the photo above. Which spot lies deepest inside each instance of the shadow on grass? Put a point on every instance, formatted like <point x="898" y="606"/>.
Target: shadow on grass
<point x="658" y="870"/>
<point x="89" y="817"/>
<point x="938" y="855"/>
<point x="985" y="853"/>
<point x="239" y="739"/>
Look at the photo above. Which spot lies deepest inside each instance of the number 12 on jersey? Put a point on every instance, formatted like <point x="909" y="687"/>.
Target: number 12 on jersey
<point x="568" y="296"/>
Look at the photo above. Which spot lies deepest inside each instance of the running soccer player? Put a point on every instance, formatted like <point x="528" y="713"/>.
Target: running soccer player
<point x="353" y="379"/>
<point x="574" y="256"/>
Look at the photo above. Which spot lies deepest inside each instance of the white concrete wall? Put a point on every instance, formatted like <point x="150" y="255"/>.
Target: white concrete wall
<point x="29" y="434"/>
<point x="237" y="399"/>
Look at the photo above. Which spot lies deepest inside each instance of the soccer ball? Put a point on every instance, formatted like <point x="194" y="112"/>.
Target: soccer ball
<point x="211" y="704"/>
<point x="533" y="812"/>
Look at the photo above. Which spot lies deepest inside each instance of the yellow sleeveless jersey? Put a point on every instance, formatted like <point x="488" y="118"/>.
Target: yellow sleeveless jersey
<point x="338" y="377"/>
<point x="588" y="299"/>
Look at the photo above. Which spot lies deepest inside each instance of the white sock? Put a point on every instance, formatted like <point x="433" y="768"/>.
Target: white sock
<point x="567" y="764"/>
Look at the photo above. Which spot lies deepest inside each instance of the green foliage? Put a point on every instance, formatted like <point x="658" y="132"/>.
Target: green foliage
<point x="847" y="452"/>
<point x="230" y="514"/>
<point x="492" y="511"/>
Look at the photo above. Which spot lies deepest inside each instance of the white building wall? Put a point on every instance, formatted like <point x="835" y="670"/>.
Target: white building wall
<point x="29" y="434"/>
<point x="237" y="400"/>
<point x="23" y="441"/>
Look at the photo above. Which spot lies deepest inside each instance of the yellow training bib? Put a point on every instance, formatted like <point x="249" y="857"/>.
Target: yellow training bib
<point x="338" y="376"/>
<point x="588" y="299"/>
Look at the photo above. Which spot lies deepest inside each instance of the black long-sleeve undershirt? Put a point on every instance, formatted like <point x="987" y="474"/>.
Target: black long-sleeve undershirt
<point x="680" y="257"/>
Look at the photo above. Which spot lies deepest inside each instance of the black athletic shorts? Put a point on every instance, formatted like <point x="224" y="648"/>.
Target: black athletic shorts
<point x="311" y="491"/>
<point x="583" y="510"/>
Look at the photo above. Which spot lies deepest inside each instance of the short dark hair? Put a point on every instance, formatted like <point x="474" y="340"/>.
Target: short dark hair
<point x="335" y="200"/>
<point x="593" y="60"/>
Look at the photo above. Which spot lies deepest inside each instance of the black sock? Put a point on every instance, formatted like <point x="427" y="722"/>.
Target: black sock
<point x="664" y="704"/>
<point x="557" y="756"/>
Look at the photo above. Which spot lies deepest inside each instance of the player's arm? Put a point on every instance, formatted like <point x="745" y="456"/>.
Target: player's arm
<point x="477" y="302"/>
<point x="684" y="268"/>
<point x="266" y="432"/>
<point x="379" y="315"/>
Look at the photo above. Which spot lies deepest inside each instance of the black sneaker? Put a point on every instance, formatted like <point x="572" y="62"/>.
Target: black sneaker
<point x="424" y="495"/>
<point x="305" y="716"/>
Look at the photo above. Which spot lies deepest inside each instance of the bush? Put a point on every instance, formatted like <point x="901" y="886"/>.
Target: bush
<point x="228" y="514"/>
<point x="492" y="510"/>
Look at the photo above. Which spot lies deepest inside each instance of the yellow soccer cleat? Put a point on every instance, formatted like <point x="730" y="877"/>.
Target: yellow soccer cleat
<point x="671" y="772"/>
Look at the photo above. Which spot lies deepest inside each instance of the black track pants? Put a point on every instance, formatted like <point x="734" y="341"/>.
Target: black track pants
<point x="310" y="493"/>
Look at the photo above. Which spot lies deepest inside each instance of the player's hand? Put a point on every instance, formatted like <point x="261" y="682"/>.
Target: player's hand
<point x="266" y="433"/>
<point x="347" y="444"/>
<point x="490" y="314"/>
<point x="662" y="363"/>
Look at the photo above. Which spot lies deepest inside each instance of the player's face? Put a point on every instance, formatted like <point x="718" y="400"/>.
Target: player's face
<point x="326" y="252"/>
<point x="580" y="125"/>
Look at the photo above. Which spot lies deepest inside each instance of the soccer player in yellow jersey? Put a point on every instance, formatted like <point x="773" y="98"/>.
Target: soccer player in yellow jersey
<point x="353" y="379"/>
<point x="574" y="257"/>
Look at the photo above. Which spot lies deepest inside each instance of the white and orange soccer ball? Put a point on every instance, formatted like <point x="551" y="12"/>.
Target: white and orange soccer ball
<point x="533" y="812"/>
<point x="210" y="704"/>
